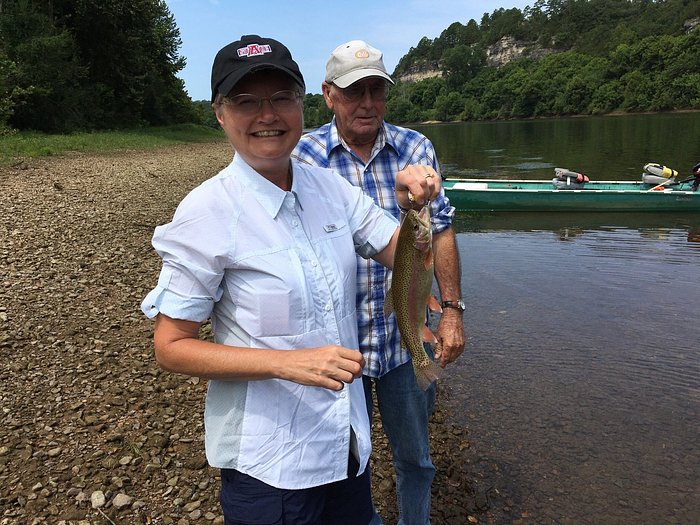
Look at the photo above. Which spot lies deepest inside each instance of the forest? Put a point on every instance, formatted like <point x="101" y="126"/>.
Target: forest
<point x="586" y="57"/>
<point x="63" y="67"/>
<point x="68" y="65"/>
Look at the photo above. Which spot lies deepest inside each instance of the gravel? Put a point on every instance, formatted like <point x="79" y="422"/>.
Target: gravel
<point x="91" y="430"/>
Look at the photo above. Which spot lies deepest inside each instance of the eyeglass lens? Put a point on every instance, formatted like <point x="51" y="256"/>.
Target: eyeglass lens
<point x="250" y="104"/>
<point x="355" y="93"/>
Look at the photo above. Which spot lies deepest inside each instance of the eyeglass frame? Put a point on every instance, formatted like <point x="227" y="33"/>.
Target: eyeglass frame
<point x="365" y="88"/>
<point x="229" y="101"/>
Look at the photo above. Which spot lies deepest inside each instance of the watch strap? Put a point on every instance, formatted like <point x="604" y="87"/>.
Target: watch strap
<point x="457" y="305"/>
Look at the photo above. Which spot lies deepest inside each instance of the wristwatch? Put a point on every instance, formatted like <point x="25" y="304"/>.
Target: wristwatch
<point x="457" y="305"/>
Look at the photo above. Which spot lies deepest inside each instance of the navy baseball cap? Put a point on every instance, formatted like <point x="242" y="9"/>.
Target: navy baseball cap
<point x="250" y="53"/>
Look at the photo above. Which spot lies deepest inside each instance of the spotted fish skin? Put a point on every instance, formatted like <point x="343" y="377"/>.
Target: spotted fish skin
<point x="411" y="284"/>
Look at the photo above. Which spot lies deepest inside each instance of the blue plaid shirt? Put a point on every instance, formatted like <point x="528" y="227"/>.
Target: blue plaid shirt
<point x="395" y="149"/>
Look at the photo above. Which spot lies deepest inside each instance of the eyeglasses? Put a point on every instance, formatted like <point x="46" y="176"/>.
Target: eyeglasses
<point x="247" y="104"/>
<point x="356" y="93"/>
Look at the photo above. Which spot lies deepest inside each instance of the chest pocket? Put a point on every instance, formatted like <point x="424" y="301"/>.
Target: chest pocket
<point x="270" y="294"/>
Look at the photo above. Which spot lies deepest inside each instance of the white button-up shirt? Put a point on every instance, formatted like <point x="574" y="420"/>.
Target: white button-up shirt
<point x="273" y="269"/>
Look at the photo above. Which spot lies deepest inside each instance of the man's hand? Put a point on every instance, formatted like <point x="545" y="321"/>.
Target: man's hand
<point x="450" y="336"/>
<point x="416" y="185"/>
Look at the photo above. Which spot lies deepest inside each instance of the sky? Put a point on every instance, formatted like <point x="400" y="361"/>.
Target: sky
<point x="312" y="29"/>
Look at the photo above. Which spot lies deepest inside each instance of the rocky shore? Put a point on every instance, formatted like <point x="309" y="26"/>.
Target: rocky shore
<point x="91" y="430"/>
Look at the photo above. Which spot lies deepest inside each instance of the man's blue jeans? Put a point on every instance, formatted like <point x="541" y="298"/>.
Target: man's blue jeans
<point x="405" y="410"/>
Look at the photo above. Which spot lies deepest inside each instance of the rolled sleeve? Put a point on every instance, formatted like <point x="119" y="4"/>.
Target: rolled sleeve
<point x="379" y="237"/>
<point x="175" y="305"/>
<point x="441" y="213"/>
<point x="193" y="249"/>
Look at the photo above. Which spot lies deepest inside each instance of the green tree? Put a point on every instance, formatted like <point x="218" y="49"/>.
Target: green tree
<point x="461" y="63"/>
<point x="10" y="93"/>
<point x="88" y="64"/>
<point x="316" y="113"/>
<point x="139" y="86"/>
<point x="46" y="71"/>
<point x="424" y="93"/>
<point x="449" y="107"/>
<point x="604" y="55"/>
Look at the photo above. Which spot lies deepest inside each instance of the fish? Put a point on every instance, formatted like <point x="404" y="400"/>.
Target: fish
<point x="410" y="291"/>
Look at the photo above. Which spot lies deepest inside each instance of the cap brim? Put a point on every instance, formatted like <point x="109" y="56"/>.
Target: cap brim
<point x="347" y="79"/>
<point x="230" y="81"/>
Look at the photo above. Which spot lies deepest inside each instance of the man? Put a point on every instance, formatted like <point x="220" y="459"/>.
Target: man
<point x="369" y="153"/>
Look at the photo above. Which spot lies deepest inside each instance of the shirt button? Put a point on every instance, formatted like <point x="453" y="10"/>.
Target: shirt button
<point x="328" y="308"/>
<point x="343" y="395"/>
<point x="314" y="263"/>
<point x="295" y="223"/>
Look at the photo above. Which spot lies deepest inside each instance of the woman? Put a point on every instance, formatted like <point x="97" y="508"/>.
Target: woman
<point x="266" y="249"/>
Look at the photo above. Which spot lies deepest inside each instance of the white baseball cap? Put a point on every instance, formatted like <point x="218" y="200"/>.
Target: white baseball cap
<point x="354" y="61"/>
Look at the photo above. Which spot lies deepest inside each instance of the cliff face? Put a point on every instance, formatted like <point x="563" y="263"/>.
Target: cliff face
<point x="505" y="50"/>
<point x="691" y="24"/>
<point x="502" y="52"/>
<point x="508" y="49"/>
<point x="420" y="72"/>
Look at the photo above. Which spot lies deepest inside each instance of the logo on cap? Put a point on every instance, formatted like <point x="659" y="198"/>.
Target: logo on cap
<point x="362" y="53"/>
<point x="252" y="50"/>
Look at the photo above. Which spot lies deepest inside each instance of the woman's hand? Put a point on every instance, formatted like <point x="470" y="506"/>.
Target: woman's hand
<point x="179" y="349"/>
<point x="326" y="366"/>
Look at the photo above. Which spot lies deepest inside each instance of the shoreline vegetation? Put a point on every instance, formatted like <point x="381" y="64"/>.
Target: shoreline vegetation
<point x="60" y="69"/>
<point x="21" y="145"/>
<point x="611" y="114"/>
<point x="18" y="146"/>
<point x="92" y="431"/>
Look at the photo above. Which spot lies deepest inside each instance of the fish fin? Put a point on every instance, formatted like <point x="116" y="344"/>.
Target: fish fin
<point x="429" y="336"/>
<point x="425" y="375"/>
<point x="428" y="260"/>
<point x="434" y="304"/>
<point x="388" y="304"/>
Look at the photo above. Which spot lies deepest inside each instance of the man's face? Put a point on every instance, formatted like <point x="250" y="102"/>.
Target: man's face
<point x="359" y="108"/>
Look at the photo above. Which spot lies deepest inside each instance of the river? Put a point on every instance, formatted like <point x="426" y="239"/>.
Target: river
<point x="580" y="383"/>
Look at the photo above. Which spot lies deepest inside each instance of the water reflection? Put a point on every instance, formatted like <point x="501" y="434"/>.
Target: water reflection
<point x="604" y="148"/>
<point x="694" y="235"/>
<point x="558" y="222"/>
<point x="580" y="384"/>
<point x="581" y="380"/>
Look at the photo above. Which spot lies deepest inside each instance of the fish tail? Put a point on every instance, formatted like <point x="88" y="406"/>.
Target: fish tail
<point x="427" y="373"/>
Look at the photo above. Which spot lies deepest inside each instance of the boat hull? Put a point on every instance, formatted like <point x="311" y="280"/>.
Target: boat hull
<point x="608" y="196"/>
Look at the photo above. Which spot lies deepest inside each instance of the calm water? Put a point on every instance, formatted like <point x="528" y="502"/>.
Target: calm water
<point x="580" y="384"/>
<point x="604" y="148"/>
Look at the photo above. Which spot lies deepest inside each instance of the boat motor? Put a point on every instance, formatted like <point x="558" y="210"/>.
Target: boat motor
<point x="696" y="176"/>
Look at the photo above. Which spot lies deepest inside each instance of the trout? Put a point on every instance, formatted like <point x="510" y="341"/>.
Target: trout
<point x="411" y="283"/>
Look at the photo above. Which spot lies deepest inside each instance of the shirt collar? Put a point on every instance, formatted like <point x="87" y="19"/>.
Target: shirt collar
<point x="383" y="139"/>
<point x="270" y="196"/>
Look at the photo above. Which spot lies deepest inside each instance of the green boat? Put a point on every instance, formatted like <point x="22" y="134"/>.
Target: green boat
<point x="570" y="192"/>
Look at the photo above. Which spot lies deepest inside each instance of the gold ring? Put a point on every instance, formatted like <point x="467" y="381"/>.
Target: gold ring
<point x="428" y="175"/>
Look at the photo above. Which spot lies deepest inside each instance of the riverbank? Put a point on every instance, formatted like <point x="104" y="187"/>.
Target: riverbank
<point x="91" y="430"/>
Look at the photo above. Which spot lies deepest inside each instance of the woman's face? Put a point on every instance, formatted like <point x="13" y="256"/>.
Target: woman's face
<point x="265" y="138"/>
